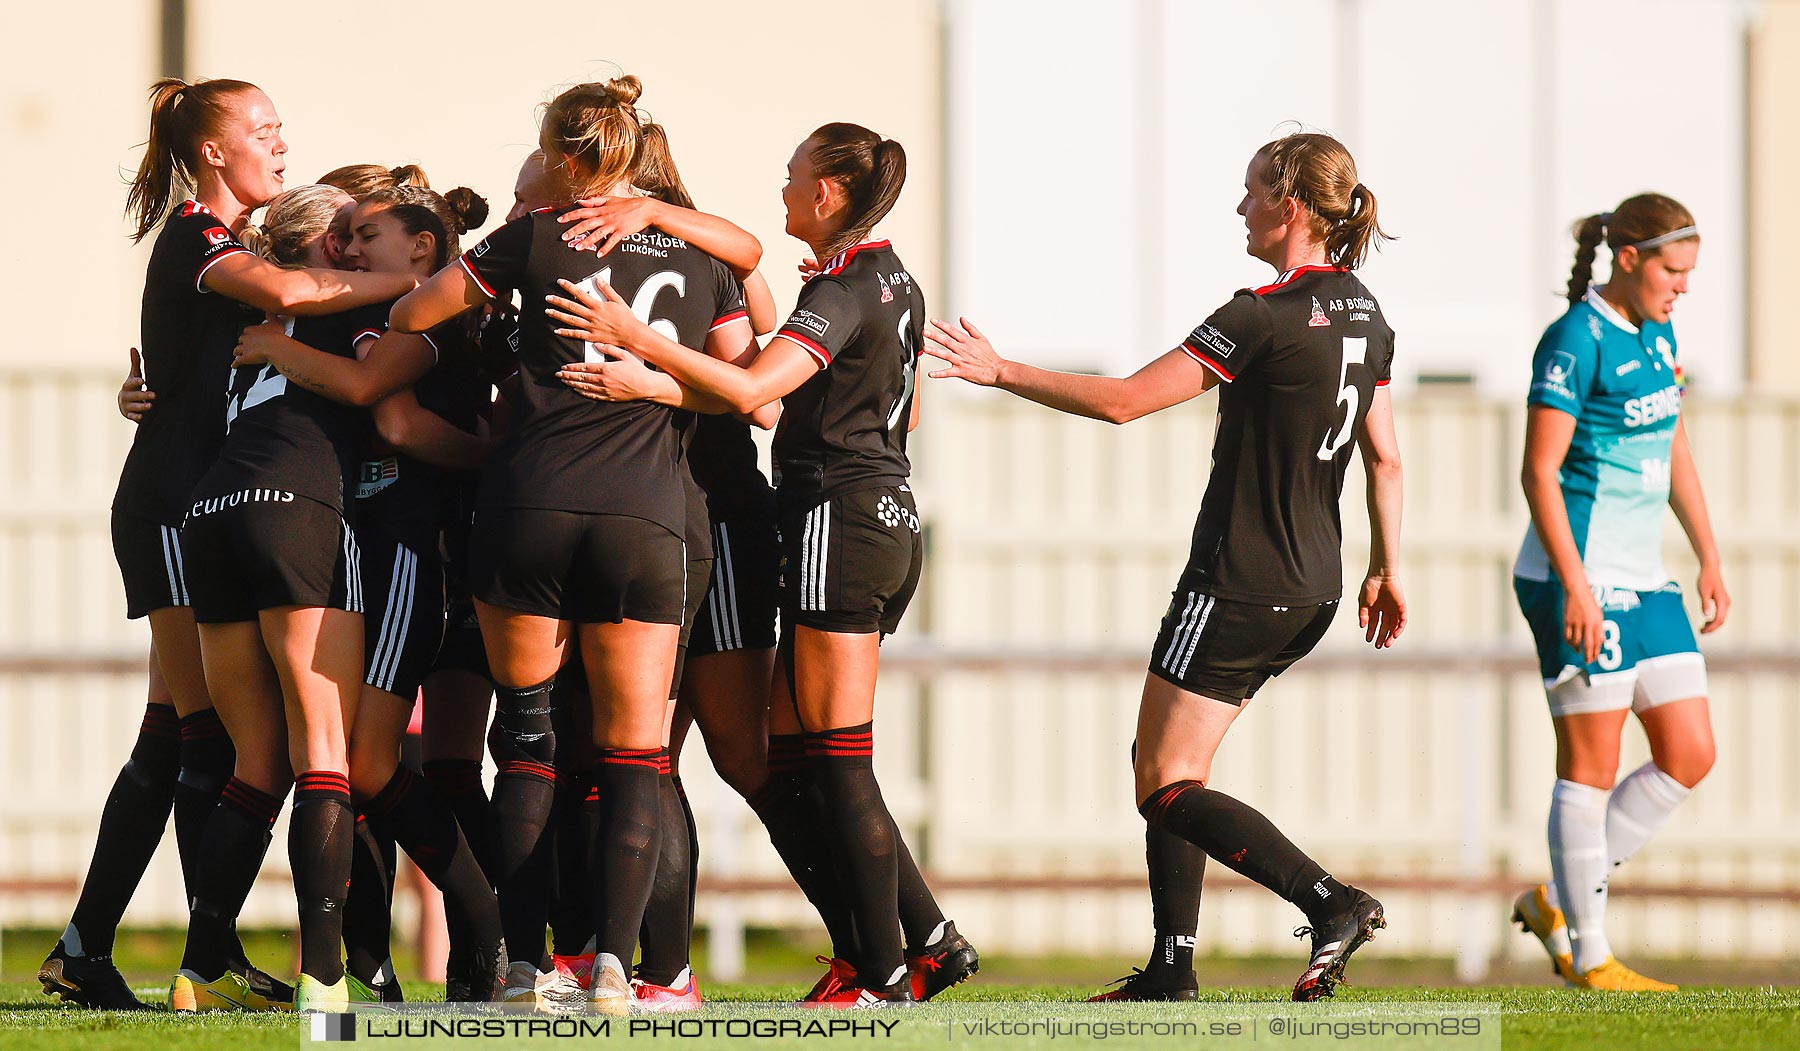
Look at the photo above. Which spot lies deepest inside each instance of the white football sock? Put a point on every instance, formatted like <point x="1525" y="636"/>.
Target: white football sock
<point x="1578" y="863"/>
<point x="1640" y="806"/>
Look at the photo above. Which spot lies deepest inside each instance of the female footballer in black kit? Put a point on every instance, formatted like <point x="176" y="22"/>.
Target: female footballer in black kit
<point x="221" y="140"/>
<point x="580" y="522"/>
<point x="845" y="362"/>
<point x="1305" y="361"/>
<point x="424" y="397"/>
<point x="274" y="573"/>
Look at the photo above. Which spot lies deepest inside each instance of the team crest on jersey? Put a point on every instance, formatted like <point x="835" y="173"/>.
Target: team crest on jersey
<point x="887" y="294"/>
<point x="1318" y="319"/>
<point x="1667" y="351"/>
<point x="1560" y="368"/>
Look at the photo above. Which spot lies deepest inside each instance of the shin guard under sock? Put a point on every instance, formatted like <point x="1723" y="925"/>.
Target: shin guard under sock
<point x="622" y="862"/>
<point x="367" y="917"/>
<point x="862" y="831"/>
<point x="459" y="782"/>
<point x="424" y="825"/>
<point x="207" y="758"/>
<point x="788" y="807"/>
<point x="1176" y="867"/>
<point x="523" y="742"/>
<point x="573" y="816"/>
<point x="236" y="838"/>
<point x="668" y="914"/>
<point x="131" y="825"/>
<point x="321" y="835"/>
<point x="1241" y="838"/>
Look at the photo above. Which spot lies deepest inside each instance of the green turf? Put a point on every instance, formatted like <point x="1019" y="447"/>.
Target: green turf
<point x="1534" y="1019"/>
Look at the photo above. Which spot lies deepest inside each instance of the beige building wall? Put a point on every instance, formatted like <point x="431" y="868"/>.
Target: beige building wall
<point x="1773" y="362"/>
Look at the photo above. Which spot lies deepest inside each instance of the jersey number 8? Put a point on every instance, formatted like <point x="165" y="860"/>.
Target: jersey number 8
<point x="1347" y="396"/>
<point x="641" y="304"/>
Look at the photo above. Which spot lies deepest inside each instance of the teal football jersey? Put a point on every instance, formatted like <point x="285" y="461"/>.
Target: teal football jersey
<point x="1621" y="383"/>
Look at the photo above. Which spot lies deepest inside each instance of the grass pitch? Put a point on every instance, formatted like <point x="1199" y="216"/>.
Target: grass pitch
<point x="1534" y="1019"/>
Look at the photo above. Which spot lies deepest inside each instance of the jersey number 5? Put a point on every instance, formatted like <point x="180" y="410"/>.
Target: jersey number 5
<point x="1355" y="347"/>
<point x="641" y="304"/>
<point x="909" y="369"/>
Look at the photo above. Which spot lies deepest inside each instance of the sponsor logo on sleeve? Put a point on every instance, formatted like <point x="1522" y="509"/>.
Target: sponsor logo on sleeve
<point x="807" y="321"/>
<point x="479" y="250"/>
<point x="1560" y="367"/>
<point x="1214" y="340"/>
<point x="218" y="235"/>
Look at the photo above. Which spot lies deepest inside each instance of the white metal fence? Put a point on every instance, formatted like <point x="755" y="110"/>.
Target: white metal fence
<point x="1007" y="709"/>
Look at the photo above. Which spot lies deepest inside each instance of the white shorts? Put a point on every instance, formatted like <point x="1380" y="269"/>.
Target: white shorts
<point x="1648" y="683"/>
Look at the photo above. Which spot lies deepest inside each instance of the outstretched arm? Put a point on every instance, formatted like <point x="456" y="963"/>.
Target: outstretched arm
<point x="1171" y="379"/>
<point x="1689" y="504"/>
<point x="300" y="293"/>
<point x="413" y="429"/>
<point x="448" y="293"/>
<point x="388" y="363"/>
<point x="781" y="367"/>
<point x="602" y="222"/>
<point x="1381" y="608"/>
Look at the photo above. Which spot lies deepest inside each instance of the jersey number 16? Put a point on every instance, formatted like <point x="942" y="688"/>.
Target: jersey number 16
<point x="641" y="304"/>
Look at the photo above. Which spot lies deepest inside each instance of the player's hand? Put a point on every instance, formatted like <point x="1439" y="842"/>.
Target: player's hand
<point x="623" y="377"/>
<point x="969" y="353"/>
<point x="591" y="318"/>
<point x="135" y="399"/>
<point x="602" y="222"/>
<point x="1381" y="610"/>
<point x="1583" y="626"/>
<point x="257" y="343"/>
<point x="1715" y="601"/>
<point x="809" y="268"/>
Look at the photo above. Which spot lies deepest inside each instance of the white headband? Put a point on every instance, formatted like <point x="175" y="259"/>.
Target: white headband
<point x="1673" y="235"/>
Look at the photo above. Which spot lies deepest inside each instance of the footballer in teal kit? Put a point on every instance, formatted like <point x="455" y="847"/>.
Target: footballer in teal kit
<point x="1605" y="456"/>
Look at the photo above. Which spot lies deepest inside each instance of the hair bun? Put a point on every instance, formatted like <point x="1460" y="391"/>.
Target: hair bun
<point x="470" y="207"/>
<point x="625" y="90"/>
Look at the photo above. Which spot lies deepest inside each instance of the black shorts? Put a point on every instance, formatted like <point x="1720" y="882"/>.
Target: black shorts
<point x="852" y="563"/>
<point x="589" y="569"/>
<point x="150" y="562"/>
<point x="1226" y="650"/>
<point x="462" y="648"/>
<point x="259" y="549"/>
<point x="739" y="608"/>
<point x="699" y="570"/>
<point x="403" y="624"/>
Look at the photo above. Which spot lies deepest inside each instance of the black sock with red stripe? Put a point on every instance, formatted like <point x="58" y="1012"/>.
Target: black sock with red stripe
<point x="368" y="920"/>
<point x="459" y="782"/>
<point x="625" y="844"/>
<point x="1238" y="836"/>
<point x="321" y="834"/>
<point x="236" y="837"/>
<point x="789" y="808"/>
<point x="668" y="916"/>
<point x="862" y="832"/>
<point x="422" y="823"/>
<point x="523" y="741"/>
<point x="207" y="758"/>
<point x="920" y="916"/>
<point x="573" y="816"/>
<point x="131" y="825"/>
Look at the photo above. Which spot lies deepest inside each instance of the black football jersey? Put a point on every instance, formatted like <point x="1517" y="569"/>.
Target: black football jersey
<point x="1300" y="360"/>
<point x="862" y="318"/>
<point x="564" y="452"/>
<point x="186" y="341"/>
<point x="279" y="435"/>
<point x="407" y="498"/>
<point x="723" y="456"/>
